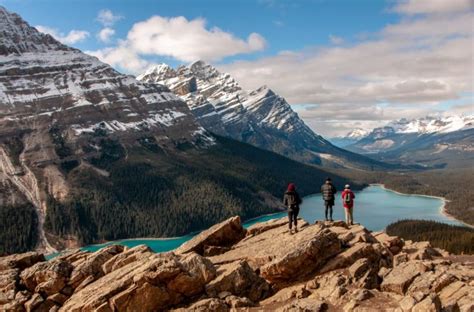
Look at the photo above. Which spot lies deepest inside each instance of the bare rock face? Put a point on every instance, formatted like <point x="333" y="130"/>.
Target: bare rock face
<point x="240" y="280"/>
<point x="325" y="266"/>
<point x="20" y="261"/>
<point x="222" y="234"/>
<point x="303" y="260"/>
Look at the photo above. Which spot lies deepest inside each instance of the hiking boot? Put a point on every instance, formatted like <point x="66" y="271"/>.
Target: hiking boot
<point x="331" y="220"/>
<point x="296" y="230"/>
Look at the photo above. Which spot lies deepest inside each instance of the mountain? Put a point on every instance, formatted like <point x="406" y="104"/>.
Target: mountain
<point x="350" y="138"/>
<point x="88" y="154"/>
<point x="430" y="141"/>
<point x="260" y="117"/>
<point x="326" y="266"/>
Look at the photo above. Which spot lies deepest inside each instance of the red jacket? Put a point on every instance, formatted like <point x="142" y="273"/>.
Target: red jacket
<point x="351" y="204"/>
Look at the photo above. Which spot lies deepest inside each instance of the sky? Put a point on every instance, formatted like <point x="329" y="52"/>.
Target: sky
<point x="341" y="64"/>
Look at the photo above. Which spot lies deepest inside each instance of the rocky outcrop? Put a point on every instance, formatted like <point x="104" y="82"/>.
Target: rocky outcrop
<point x="323" y="266"/>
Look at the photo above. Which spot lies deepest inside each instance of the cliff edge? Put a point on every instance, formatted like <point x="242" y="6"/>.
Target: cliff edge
<point x="325" y="266"/>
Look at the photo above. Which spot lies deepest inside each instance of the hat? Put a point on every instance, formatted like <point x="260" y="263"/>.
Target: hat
<point x="328" y="179"/>
<point x="291" y="187"/>
<point x="347" y="186"/>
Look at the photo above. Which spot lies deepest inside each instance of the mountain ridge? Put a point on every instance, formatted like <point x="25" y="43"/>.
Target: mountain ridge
<point x="259" y="117"/>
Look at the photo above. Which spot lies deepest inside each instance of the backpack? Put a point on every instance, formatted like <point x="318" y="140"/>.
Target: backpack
<point x="348" y="198"/>
<point x="292" y="201"/>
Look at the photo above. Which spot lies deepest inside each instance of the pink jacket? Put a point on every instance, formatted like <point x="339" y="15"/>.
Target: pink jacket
<point x="351" y="194"/>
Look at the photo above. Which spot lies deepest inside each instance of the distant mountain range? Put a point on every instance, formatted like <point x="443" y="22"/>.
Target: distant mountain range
<point x="260" y="117"/>
<point x="429" y="141"/>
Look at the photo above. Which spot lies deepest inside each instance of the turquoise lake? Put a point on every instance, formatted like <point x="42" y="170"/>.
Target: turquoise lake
<point x="375" y="208"/>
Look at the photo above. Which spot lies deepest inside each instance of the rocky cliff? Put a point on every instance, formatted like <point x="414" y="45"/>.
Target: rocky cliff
<point x="259" y="117"/>
<point x="324" y="266"/>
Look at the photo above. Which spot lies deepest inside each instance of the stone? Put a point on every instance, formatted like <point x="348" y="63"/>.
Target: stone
<point x="210" y="251"/>
<point x="261" y="227"/>
<point x="223" y="234"/>
<point x="305" y="305"/>
<point x="239" y="279"/>
<point x="400" y="258"/>
<point x="145" y="297"/>
<point x="126" y="257"/>
<point x="407" y="303"/>
<point x="362" y="294"/>
<point x="238" y="302"/>
<point x="92" y="265"/>
<point x="33" y="303"/>
<point x="20" y="261"/>
<point x="8" y="284"/>
<point x="430" y="304"/>
<point x="46" y="277"/>
<point x="58" y="298"/>
<point x="206" y="305"/>
<point x="421" y="251"/>
<point x="400" y="277"/>
<point x="351" y="255"/>
<point x="302" y="260"/>
<point x="393" y="243"/>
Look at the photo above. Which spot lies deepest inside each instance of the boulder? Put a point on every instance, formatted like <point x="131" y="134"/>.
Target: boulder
<point x="8" y="284"/>
<point x="92" y="265"/>
<point x="430" y="304"/>
<point x="238" y="302"/>
<point x="261" y="227"/>
<point x="206" y="305"/>
<point x="304" y="305"/>
<point x="401" y="276"/>
<point x="20" y="261"/>
<point x="393" y="243"/>
<point x="302" y="260"/>
<point x="407" y="303"/>
<point x="223" y="234"/>
<point x="364" y="273"/>
<point x="421" y="251"/>
<point x="47" y="277"/>
<point x="240" y="280"/>
<point x="126" y="257"/>
<point x="164" y="279"/>
<point x="351" y="255"/>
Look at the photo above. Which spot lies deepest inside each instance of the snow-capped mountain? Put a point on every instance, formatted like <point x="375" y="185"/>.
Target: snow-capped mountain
<point x="350" y="138"/>
<point x="61" y="109"/>
<point x="430" y="140"/>
<point x="260" y="117"/>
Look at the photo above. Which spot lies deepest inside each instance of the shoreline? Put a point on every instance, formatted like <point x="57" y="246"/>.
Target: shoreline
<point x="442" y="209"/>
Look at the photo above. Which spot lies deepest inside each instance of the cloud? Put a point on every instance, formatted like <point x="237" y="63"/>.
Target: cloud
<point x="121" y="56"/>
<point x="107" y="18"/>
<point x="407" y="69"/>
<point x="335" y="39"/>
<point x="178" y="38"/>
<point x="432" y="6"/>
<point x="74" y="36"/>
<point x="105" y="34"/>
<point x="188" y="40"/>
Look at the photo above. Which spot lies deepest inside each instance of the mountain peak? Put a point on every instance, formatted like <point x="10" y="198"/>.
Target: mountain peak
<point x="17" y="36"/>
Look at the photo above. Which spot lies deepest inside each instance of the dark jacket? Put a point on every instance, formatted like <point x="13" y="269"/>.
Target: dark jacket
<point x="292" y="197"/>
<point x="328" y="191"/>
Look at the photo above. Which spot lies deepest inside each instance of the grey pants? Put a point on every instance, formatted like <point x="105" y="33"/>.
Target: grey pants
<point x="349" y="216"/>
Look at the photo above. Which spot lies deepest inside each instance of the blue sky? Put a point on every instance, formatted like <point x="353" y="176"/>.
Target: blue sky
<point x="286" y="25"/>
<point x="342" y="64"/>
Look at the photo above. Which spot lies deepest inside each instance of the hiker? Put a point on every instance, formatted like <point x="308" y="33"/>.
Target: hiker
<point x="292" y="200"/>
<point x="348" y="202"/>
<point x="328" y="191"/>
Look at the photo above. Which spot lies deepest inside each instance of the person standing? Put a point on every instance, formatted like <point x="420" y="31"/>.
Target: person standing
<point x="328" y="190"/>
<point x="348" y="202"/>
<point x="292" y="200"/>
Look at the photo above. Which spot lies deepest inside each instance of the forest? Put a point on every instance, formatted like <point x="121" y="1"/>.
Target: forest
<point x="157" y="193"/>
<point x="455" y="239"/>
<point x="19" y="228"/>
